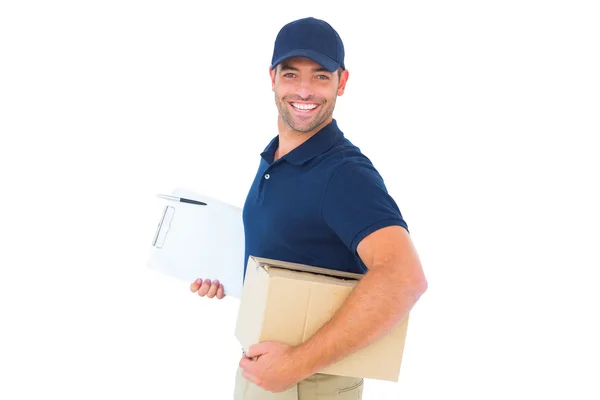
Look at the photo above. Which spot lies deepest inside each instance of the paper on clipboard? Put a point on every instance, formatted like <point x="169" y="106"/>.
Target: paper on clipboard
<point x="200" y="241"/>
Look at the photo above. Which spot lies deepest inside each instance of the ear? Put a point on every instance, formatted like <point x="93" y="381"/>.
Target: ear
<point x="272" y="74"/>
<point x="342" y="83"/>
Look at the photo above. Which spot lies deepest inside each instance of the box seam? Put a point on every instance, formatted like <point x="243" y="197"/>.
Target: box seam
<point x="304" y="338"/>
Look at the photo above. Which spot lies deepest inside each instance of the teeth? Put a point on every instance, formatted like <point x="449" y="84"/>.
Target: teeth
<point x="304" y="106"/>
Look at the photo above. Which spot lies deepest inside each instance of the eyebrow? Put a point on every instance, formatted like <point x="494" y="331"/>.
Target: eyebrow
<point x="287" y="67"/>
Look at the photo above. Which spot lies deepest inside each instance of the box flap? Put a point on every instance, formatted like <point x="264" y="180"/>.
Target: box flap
<point x="266" y="262"/>
<point x="284" y="273"/>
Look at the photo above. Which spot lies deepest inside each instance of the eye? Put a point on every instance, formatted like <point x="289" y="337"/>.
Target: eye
<point x="289" y="75"/>
<point x="322" y="77"/>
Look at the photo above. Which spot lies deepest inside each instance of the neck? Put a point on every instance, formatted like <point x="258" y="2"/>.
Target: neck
<point x="289" y="139"/>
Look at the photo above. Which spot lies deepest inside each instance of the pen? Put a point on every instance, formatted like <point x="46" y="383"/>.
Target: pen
<point x="181" y="199"/>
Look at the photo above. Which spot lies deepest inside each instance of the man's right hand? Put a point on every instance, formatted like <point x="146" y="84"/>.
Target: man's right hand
<point x="208" y="288"/>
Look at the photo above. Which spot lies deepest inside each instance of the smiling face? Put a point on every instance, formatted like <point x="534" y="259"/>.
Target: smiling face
<point x="305" y="93"/>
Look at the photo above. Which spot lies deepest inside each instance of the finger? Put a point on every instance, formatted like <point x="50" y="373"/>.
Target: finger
<point x="204" y="288"/>
<point x="221" y="291"/>
<point x="196" y="285"/>
<point x="244" y="363"/>
<point x="250" y="377"/>
<point x="258" y="349"/>
<point x="248" y="359"/>
<point x="213" y="289"/>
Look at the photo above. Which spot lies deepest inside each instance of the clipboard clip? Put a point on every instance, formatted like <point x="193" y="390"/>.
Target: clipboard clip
<point x="163" y="227"/>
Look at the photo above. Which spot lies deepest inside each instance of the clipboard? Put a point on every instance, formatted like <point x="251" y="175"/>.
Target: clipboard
<point x="200" y="241"/>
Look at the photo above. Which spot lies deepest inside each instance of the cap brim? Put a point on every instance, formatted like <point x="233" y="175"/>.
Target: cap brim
<point x="326" y="62"/>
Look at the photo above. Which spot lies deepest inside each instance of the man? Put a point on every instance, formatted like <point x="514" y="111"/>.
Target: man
<point x="317" y="200"/>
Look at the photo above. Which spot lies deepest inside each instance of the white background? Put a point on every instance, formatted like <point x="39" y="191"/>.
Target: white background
<point x="480" y="116"/>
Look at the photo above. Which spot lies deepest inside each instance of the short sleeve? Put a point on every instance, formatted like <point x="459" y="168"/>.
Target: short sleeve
<point x="356" y="203"/>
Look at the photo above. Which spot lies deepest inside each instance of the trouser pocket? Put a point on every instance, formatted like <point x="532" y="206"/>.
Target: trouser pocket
<point x="351" y="392"/>
<point x="330" y="387"/>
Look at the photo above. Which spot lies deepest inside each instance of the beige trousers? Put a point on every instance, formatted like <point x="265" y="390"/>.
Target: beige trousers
<point x="315" y="387"/>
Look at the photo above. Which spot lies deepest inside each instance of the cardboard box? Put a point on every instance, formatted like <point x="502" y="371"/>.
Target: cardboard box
<point x="289" y="302"/>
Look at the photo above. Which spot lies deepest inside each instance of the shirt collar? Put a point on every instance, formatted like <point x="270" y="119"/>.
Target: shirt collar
<point x="316" y="145"/>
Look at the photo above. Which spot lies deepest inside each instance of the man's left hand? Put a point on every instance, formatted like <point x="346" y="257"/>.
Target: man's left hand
<point x="273" y="366"/>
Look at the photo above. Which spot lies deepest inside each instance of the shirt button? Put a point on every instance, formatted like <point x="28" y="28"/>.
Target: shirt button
<point x="267" y="176"/>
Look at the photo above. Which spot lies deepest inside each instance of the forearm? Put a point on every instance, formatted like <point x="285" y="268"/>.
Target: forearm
<point x="377" y="304"/>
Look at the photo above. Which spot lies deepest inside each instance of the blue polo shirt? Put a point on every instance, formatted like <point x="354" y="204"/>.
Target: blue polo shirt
<point x="315" y="204"/>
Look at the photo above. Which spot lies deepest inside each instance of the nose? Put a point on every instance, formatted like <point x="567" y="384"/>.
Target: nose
<point x="304" y="89"/>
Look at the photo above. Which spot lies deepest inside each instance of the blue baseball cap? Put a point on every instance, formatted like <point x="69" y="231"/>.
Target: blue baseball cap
<point x="311" y="38"/>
